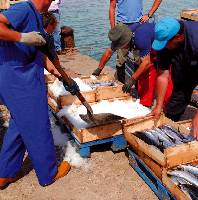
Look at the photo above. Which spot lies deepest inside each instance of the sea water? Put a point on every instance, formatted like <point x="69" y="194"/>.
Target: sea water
<point x="90" y="21"/>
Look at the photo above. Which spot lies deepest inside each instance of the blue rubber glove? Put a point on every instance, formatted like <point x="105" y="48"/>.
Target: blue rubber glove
<point x="73" y="88"/>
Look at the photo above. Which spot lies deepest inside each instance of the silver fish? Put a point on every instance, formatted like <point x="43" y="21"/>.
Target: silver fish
<point x="184" y="138"/>
<point x="164" y="141"/>
<point x="185" y="190"/>
<point x="149" y="139"/>
<point x="162" y="132"/>
<point x="191" y="190"/>
<point x="174" y="180"/>
<point x="172" y="135"/>
<point x="99" y="84"/>
<point x="189" y="168"/>
<point x="181" y="181"/>
<point x="152" y="136"/>
<point x="186" y="176"/>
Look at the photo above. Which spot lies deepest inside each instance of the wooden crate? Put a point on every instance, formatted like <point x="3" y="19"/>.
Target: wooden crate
<point x="85" y="135"/>
<point x="102" y="77"/>
<point x="150" y="163"/>
<point x="172" y="156"/>
<point x="49" y="78"/>
<point x="53" y="104"/>
<point x="69" y="99"/>
<point x="189" y="14"/>
<point x="111" y="129"/>
<point x="174" y="189"/>
<point x="98" y="94"/>
<point x="111" y="92"/>
<point x="185" y="126"/>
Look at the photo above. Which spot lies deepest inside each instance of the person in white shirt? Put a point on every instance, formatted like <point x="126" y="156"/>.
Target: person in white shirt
<point x="55" y="10"/>
<point x="4" y="4"/>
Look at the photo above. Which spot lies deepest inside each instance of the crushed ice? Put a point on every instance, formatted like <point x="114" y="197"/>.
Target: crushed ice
<point x="58" y="89"/>
<point x="70" y="151"/>
<point x="128" y="109"/>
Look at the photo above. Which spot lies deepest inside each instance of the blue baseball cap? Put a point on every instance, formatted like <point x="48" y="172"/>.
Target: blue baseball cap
<point x="165" y="30"/>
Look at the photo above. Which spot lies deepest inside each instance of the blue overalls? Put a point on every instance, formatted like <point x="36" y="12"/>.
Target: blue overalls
<point x="22" y="90"/>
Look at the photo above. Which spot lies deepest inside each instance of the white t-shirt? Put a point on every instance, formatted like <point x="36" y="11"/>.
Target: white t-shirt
<point x="55" y="5"/>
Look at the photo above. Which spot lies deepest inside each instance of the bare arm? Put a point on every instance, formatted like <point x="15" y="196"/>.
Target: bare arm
<point x="112" y="9"/>
<point x="103" y="60"/>
<point x="154" y="7"/>
<point x="105" y="57"/>
<point x="195" y="125"/>
<point x="143" y="67"/>
<point x="51" y="68"/>
<point x="7" y="34"/>
<point x="161" y="88"/>
<point x="61" y="71"/>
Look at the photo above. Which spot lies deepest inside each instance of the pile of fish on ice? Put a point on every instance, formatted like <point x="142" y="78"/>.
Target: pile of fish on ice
<point x="186" y="177"/>
<point x="163" y="137"/>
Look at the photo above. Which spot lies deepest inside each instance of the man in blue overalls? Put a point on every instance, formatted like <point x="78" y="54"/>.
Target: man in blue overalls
<point x="177" y="45"/>
<point x="22" y="90"/>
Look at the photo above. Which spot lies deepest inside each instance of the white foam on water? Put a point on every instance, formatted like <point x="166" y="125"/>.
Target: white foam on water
<point x="128" y="109"/>
<point x="70" y="152"/>
<point x="58" y="89"/>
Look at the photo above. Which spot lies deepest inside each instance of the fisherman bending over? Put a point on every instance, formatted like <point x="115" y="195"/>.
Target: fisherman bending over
<point x="136" y="38"/>
<point x="177" y="45"/>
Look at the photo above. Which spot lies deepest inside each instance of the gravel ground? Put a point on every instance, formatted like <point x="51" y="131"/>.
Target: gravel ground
<point x="109" y="178"/>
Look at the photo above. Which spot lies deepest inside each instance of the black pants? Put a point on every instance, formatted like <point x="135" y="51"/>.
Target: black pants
<point x="185" y="79"/>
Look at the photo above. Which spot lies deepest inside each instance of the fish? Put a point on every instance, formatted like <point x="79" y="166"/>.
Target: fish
<point x="101" y="84"/>
<point x="175" y="180"/>
<point x="172" y="135"/>
<point x="186" y="191"/>
<point x="183" y="137"/>
<point x="179" y="181"/>
<point x="191" y="190"/>
<point x="149" y="138"/>
<point x="191" y="169"/>
<point x="186" y="176"/>
<point x="163" y="139"/>
<point x="163" y="134"/>
<point x="189" y="138"/>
